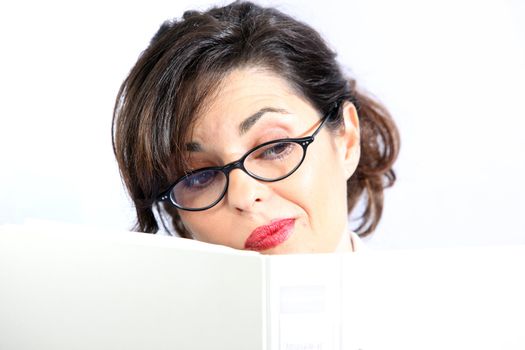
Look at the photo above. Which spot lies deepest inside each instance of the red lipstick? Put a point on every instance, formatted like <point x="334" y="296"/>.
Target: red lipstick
<point x="269" y="236"/>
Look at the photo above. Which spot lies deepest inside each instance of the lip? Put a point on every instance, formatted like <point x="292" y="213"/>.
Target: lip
<point x="269" y="236"/>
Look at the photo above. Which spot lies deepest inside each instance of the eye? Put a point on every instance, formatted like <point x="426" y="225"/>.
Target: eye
<point x="199" y="180"/>
<point x="276" y="150"/>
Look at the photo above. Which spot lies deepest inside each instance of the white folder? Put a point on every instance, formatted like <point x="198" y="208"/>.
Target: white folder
<point x="64" y="287"/>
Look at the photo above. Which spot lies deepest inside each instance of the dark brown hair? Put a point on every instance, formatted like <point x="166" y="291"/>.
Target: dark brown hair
<point x="183" y="66"/>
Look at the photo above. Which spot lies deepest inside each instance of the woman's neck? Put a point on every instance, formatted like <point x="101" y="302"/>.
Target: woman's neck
<point x="345" y="243"/>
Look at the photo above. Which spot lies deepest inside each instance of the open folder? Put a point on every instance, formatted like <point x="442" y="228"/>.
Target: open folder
<point x="65" y="287"/>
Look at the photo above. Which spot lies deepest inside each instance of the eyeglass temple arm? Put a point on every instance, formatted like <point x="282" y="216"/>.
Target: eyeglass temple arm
<point x="329" y="115"/>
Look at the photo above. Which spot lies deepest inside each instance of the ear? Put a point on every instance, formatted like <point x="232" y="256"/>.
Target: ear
<point x="349" y="139"/>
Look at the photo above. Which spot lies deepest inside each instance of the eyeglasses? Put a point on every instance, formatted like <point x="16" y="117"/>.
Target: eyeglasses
<point x="271" y="161"/>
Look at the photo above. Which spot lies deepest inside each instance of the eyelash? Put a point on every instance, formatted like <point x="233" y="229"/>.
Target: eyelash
<point x="280" y="155"/>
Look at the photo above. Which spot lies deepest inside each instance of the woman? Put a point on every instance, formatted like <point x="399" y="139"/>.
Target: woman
<point x="238" y="125"/>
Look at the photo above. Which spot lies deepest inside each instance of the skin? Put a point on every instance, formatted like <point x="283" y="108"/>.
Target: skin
<point x="315" y="195"/>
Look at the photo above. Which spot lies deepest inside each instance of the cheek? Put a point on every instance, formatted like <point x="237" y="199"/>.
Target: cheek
<point x="320" y="185"/>
<point x="190" y="224"/>
<point x="198" y="225"/>
<point x="213" y="226"/>
<point x="314" y="186"/>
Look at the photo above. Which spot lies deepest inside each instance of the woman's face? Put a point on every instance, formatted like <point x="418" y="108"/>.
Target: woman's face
<point x="305" y="212"/>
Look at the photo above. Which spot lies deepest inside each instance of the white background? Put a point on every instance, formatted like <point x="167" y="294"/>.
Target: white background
<point x="451" y="72"/>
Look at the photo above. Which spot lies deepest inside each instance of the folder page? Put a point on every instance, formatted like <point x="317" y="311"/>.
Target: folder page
<point x="304" y="301"/>
<point x="61" y="289"/>
<point x="453" y="298"/>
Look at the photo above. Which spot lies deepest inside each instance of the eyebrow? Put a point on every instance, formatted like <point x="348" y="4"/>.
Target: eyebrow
<point x="251" y="120"/>
<point x="193" y="147"/>
<point x="244" y="126"/>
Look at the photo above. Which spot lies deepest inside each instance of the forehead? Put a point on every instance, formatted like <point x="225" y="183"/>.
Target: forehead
<point x="241" y="93"/>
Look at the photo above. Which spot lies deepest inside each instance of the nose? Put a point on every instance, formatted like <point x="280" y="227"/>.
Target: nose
<point x="244" y="191"/>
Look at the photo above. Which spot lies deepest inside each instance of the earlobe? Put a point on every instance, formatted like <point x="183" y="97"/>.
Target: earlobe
<point x="351" y="139"/>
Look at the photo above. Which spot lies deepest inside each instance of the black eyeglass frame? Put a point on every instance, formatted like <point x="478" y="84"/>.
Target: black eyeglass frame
<point x="304" y="142"/>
